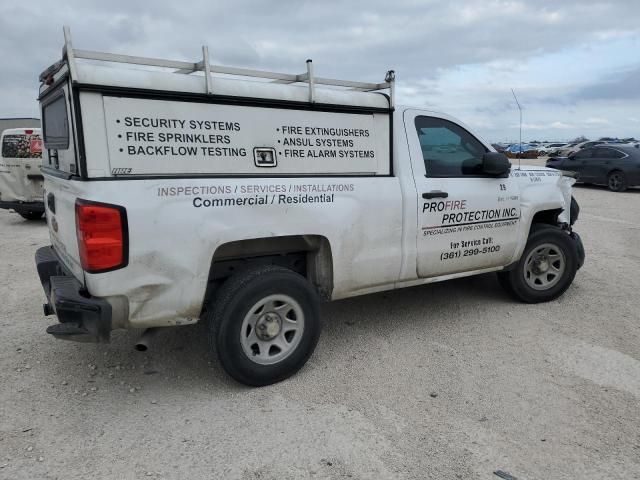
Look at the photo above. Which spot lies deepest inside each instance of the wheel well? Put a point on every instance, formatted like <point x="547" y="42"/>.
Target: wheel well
<point x="308" y="255"/>
<point x="549" y="217"/>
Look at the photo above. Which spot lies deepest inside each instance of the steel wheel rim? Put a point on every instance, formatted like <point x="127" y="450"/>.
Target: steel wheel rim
<point x="544" y="266"/>
<point x="272" y="329"/>
<point x="615" y="181"/>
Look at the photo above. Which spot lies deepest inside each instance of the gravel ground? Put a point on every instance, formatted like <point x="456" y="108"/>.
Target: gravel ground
<point x="451" y="380"/>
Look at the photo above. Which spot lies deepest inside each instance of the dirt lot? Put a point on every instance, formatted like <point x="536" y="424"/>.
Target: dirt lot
<point x="452" y="380"/>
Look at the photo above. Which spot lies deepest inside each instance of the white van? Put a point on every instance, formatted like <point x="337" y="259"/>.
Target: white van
<point x="178" y="194"/>
<point x="21" y="180"/>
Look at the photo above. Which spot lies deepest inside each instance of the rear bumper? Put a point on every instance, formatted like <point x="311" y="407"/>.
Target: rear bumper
<point x="82" y="317"/>
<point x="24" y="207"/>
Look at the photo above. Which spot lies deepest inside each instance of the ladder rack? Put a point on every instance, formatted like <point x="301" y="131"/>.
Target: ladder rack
<point x="204" y="66"/>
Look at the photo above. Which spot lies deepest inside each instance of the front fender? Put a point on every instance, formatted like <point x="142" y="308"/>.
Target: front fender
<point x="552" y="194"/>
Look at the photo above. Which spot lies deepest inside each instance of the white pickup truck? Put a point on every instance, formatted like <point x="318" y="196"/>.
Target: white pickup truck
<point x="245" y="198"/>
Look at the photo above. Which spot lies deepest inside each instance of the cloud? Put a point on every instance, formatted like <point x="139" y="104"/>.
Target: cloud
<point x="461" y="57"/>
<point x="545" y="126"/>
<point x="620" y="85"/>
<point x="597" y="121"/>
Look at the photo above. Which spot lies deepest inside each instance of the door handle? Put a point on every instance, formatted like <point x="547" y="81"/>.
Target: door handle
<point x="435" y="194"/>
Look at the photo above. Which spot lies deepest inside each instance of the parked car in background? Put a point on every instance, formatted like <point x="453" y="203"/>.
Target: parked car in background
<point x="21" y="180"/>
<point x="564" y="151"/>
<point x="552" y="148"/>
<point x="518" y="148"/>
<point x="616" y="166"/>
<point x="575" y="147"/>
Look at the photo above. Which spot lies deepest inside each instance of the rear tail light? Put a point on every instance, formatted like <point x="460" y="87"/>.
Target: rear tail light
<point x="102" y="236"/>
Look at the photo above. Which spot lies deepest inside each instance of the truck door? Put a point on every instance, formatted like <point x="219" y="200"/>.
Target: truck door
<point x="467" y="220"/>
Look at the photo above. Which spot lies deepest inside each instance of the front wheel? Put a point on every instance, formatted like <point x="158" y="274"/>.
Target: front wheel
<point x="265" y="324"/>
<point x="546" y="268"/>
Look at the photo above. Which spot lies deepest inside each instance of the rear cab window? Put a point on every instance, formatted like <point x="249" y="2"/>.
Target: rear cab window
<point x="55" y="124"/>
<point x="56" y="132"/>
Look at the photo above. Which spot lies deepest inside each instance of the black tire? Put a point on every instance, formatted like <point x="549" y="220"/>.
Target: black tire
<point x="616" y="181"/>
<point x="505" y="283"/>
<point x="513" y="281"/>
<point x="31" y="215"/>
<point x="232" y="303"/>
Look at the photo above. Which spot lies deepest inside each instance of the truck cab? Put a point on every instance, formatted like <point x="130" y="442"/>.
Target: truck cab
<point x="21" y="180"/>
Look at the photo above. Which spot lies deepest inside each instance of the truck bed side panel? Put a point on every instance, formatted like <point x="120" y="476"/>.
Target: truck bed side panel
<point x="176" y="225"/>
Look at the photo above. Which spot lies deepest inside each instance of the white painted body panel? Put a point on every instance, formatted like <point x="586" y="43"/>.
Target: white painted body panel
<point x="369" y="214"/>
<point x="172" y="240"/>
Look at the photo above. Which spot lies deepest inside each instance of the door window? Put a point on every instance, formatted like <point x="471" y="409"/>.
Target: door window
<point x="611" y="153"/>
<point x="448" y="149"/>
<point x="601" y="153"/>
<point x="607" y="153"/>
<point x="582" y="155"/>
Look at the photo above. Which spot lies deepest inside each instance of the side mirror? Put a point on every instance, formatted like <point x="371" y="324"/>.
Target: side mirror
<point x="496" y="164"/>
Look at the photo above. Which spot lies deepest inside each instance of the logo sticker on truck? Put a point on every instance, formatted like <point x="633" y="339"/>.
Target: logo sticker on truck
<point x="454" y="213"/>
<point x="249" y="195"/>
<point x="180" y="138"/>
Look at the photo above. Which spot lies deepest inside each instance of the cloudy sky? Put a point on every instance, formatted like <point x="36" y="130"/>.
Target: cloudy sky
<point x="575" y="65"/>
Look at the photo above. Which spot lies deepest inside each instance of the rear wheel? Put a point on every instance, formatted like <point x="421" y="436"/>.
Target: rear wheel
<point x="617" y="181"/>
<point x="546" y="268"/>
<point x="264" y="325"/>
<point x="31" y="215"/>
